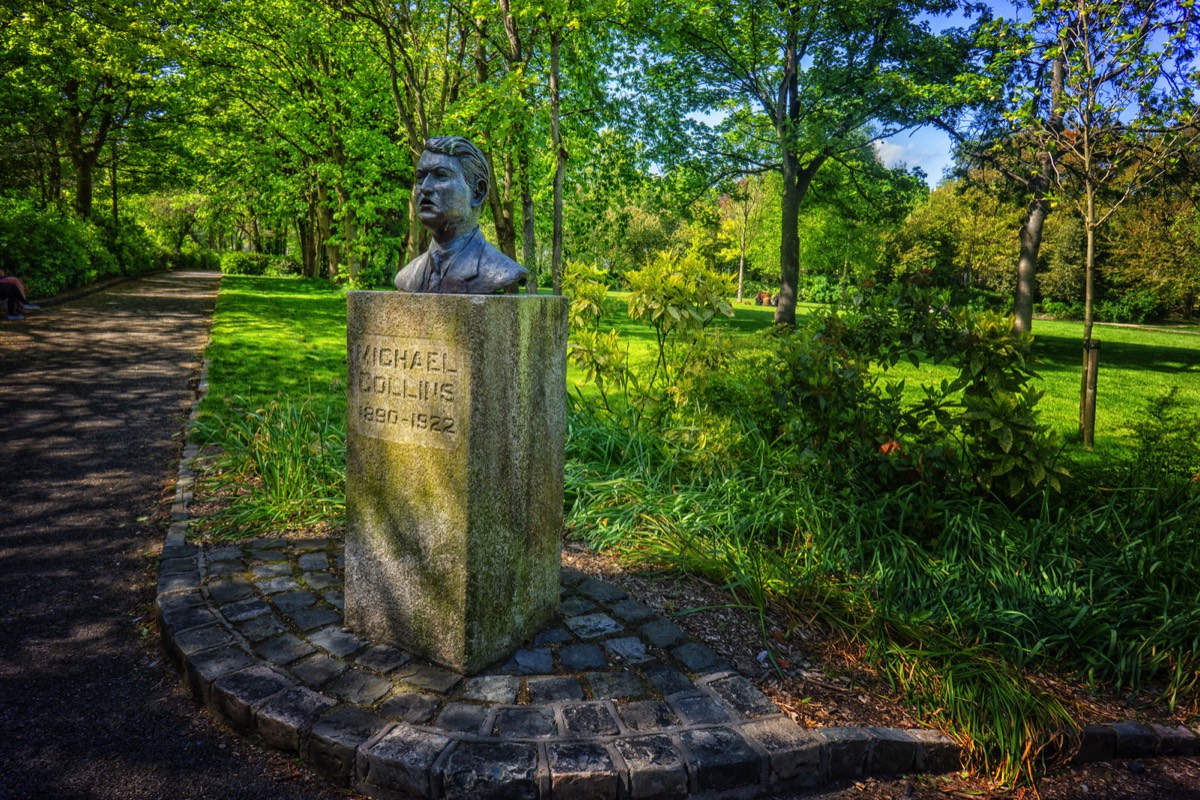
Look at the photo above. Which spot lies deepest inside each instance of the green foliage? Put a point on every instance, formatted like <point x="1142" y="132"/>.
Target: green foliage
<point x="586" y="286"/>
<point x="1008" y="447"/>
<point x="1167" y="436"/>
<point x="241" y="262"/>
<point x="1135" y="306"/>
<point x="373" y="277"/>
<point x="981" y="426"/>
<point x="963" y="233"/>
<point x="52" y="252"/>
<point x="958" y="621"/>
<point x="1064" y="252"/>
<point x="1058" y="310"/>
<point x="678" y="296"/>
<point x="285" y="461"/>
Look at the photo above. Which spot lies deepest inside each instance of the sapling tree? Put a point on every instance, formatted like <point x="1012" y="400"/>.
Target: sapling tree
<point x="1125" y="111"/>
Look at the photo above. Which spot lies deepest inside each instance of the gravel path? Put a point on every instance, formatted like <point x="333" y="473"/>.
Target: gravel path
<point x="93" y="395"/>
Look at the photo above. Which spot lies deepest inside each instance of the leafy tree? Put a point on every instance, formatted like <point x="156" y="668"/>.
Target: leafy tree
<point x="73" y="78"/>
<point x="1155" y="245"/>
<point x="961" y="233"/>
<point x="796" y="86"/>
<point x="741" y="219"/>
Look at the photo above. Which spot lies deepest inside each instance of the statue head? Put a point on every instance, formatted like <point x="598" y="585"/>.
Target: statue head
<point x="452" y="183"/>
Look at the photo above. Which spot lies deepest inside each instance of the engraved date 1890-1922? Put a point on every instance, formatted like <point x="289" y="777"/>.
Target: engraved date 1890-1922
<point x="412" y="420"/>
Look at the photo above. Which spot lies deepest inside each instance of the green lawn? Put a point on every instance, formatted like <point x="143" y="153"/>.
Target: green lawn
<point x="274" y="335"/>
<point x="277" y="335"/>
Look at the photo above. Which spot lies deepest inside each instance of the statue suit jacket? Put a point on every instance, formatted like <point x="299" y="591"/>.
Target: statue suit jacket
<point x="475" y="267"/>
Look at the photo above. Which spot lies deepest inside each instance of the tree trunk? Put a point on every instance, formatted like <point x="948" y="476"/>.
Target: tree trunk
<point x="796" y="180"/>
<point x="1031" y="243"/>
<point x="1087" y="393"/>
<point x="502" y="209"/>
<point x="560" y="163"/>
<point x="83" y="164"/>
<point x="325" y="229"/>
<point x="1039" y="208"/>
<point x="528" y="229"/>
<point x="112" y="177"/>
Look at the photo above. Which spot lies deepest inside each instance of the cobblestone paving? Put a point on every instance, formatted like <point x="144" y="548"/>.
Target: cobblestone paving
<point x="610" y="701"/>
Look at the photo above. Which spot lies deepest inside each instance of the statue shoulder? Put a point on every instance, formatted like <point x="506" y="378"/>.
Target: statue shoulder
<point x="408" y="279"/>
<point x="498" y="270"/>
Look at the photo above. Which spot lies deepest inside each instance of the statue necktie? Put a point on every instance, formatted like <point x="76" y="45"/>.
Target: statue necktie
<point x="437" y="259"/>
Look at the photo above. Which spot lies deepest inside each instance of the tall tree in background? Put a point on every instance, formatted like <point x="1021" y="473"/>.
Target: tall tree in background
<point x="73" y="78"/>
<point x="741" y="209"/>
<point x="797" y="85"/>
<point x="426" y="48"/>
<point x="1023" y="94"/>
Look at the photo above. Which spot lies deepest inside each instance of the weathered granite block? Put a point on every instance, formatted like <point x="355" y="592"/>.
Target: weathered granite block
<point x="846" y="751"/>
<point x="413" y="707"/>
<point x="1096" y="743"/>
<point x="655" y="768"/>
<point x="743" y="696"/>
<point x="894" y="752"/>
<point x="794" y="753"/>
<point x="284" y="720"/>
<point x="234" y="694"/>
<point x="487" y="770"/>
<point x="721" y="759"/>
<point x="336" y="737"/>
<point x="401" y="761"/>
<point x="589" y="719"/>
<point x="582" y="771"/>
<point x="1175" y="740"/>
<point x="207" y="666"/>
<point x="939" y="753"/>
<point x="454" y="471"/>
<point x="1135" y="740"/>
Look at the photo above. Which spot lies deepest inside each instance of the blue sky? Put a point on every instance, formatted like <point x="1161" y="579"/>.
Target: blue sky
<point x="925" y="147"/>
<point x="928" y="147"/>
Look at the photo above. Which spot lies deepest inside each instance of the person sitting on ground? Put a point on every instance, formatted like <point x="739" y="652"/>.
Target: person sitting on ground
<point x="12" y="290"/>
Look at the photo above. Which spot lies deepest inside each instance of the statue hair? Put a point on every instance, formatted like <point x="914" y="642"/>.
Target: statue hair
<point x="471" y="159"/>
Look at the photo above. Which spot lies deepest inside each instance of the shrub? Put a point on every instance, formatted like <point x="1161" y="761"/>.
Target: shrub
<point x="1136" y="306"/>
<point x="374" y="277"/>
<point x="587" y="287"/>
<point x="1062" y="310"/>
<point x="676" y="296"/>
<point x="981" y="427"/>
<point x="131" y="247"/>
<point x="52" y="252"/>
<point x="821" y="289"/>
<point x="241" y="262"/>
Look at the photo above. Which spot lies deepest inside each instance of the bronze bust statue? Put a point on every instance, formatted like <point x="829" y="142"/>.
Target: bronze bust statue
<point x="452" y="183"/>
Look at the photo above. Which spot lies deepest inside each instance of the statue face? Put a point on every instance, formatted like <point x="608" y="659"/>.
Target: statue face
<point x="444" y="201"/>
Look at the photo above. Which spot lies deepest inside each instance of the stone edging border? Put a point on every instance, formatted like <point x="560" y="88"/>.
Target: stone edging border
<point x="403" y="760"/>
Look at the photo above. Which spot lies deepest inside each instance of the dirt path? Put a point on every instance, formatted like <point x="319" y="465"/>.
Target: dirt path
<point x="93" y="394"/>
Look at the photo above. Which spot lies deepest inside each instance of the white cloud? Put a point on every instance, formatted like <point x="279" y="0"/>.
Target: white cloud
<point x="891" y="153"/>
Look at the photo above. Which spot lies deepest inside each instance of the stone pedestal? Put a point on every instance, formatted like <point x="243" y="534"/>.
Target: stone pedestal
<point x="454" y="471"/>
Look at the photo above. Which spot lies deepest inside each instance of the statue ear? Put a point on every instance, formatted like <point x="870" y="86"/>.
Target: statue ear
<point x="479" y="193"/>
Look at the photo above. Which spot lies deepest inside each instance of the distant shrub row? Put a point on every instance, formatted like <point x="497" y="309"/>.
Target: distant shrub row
<point x="53" y="252"/>
<point x="239" y="262"/>
<point x="1135" y="306"/>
